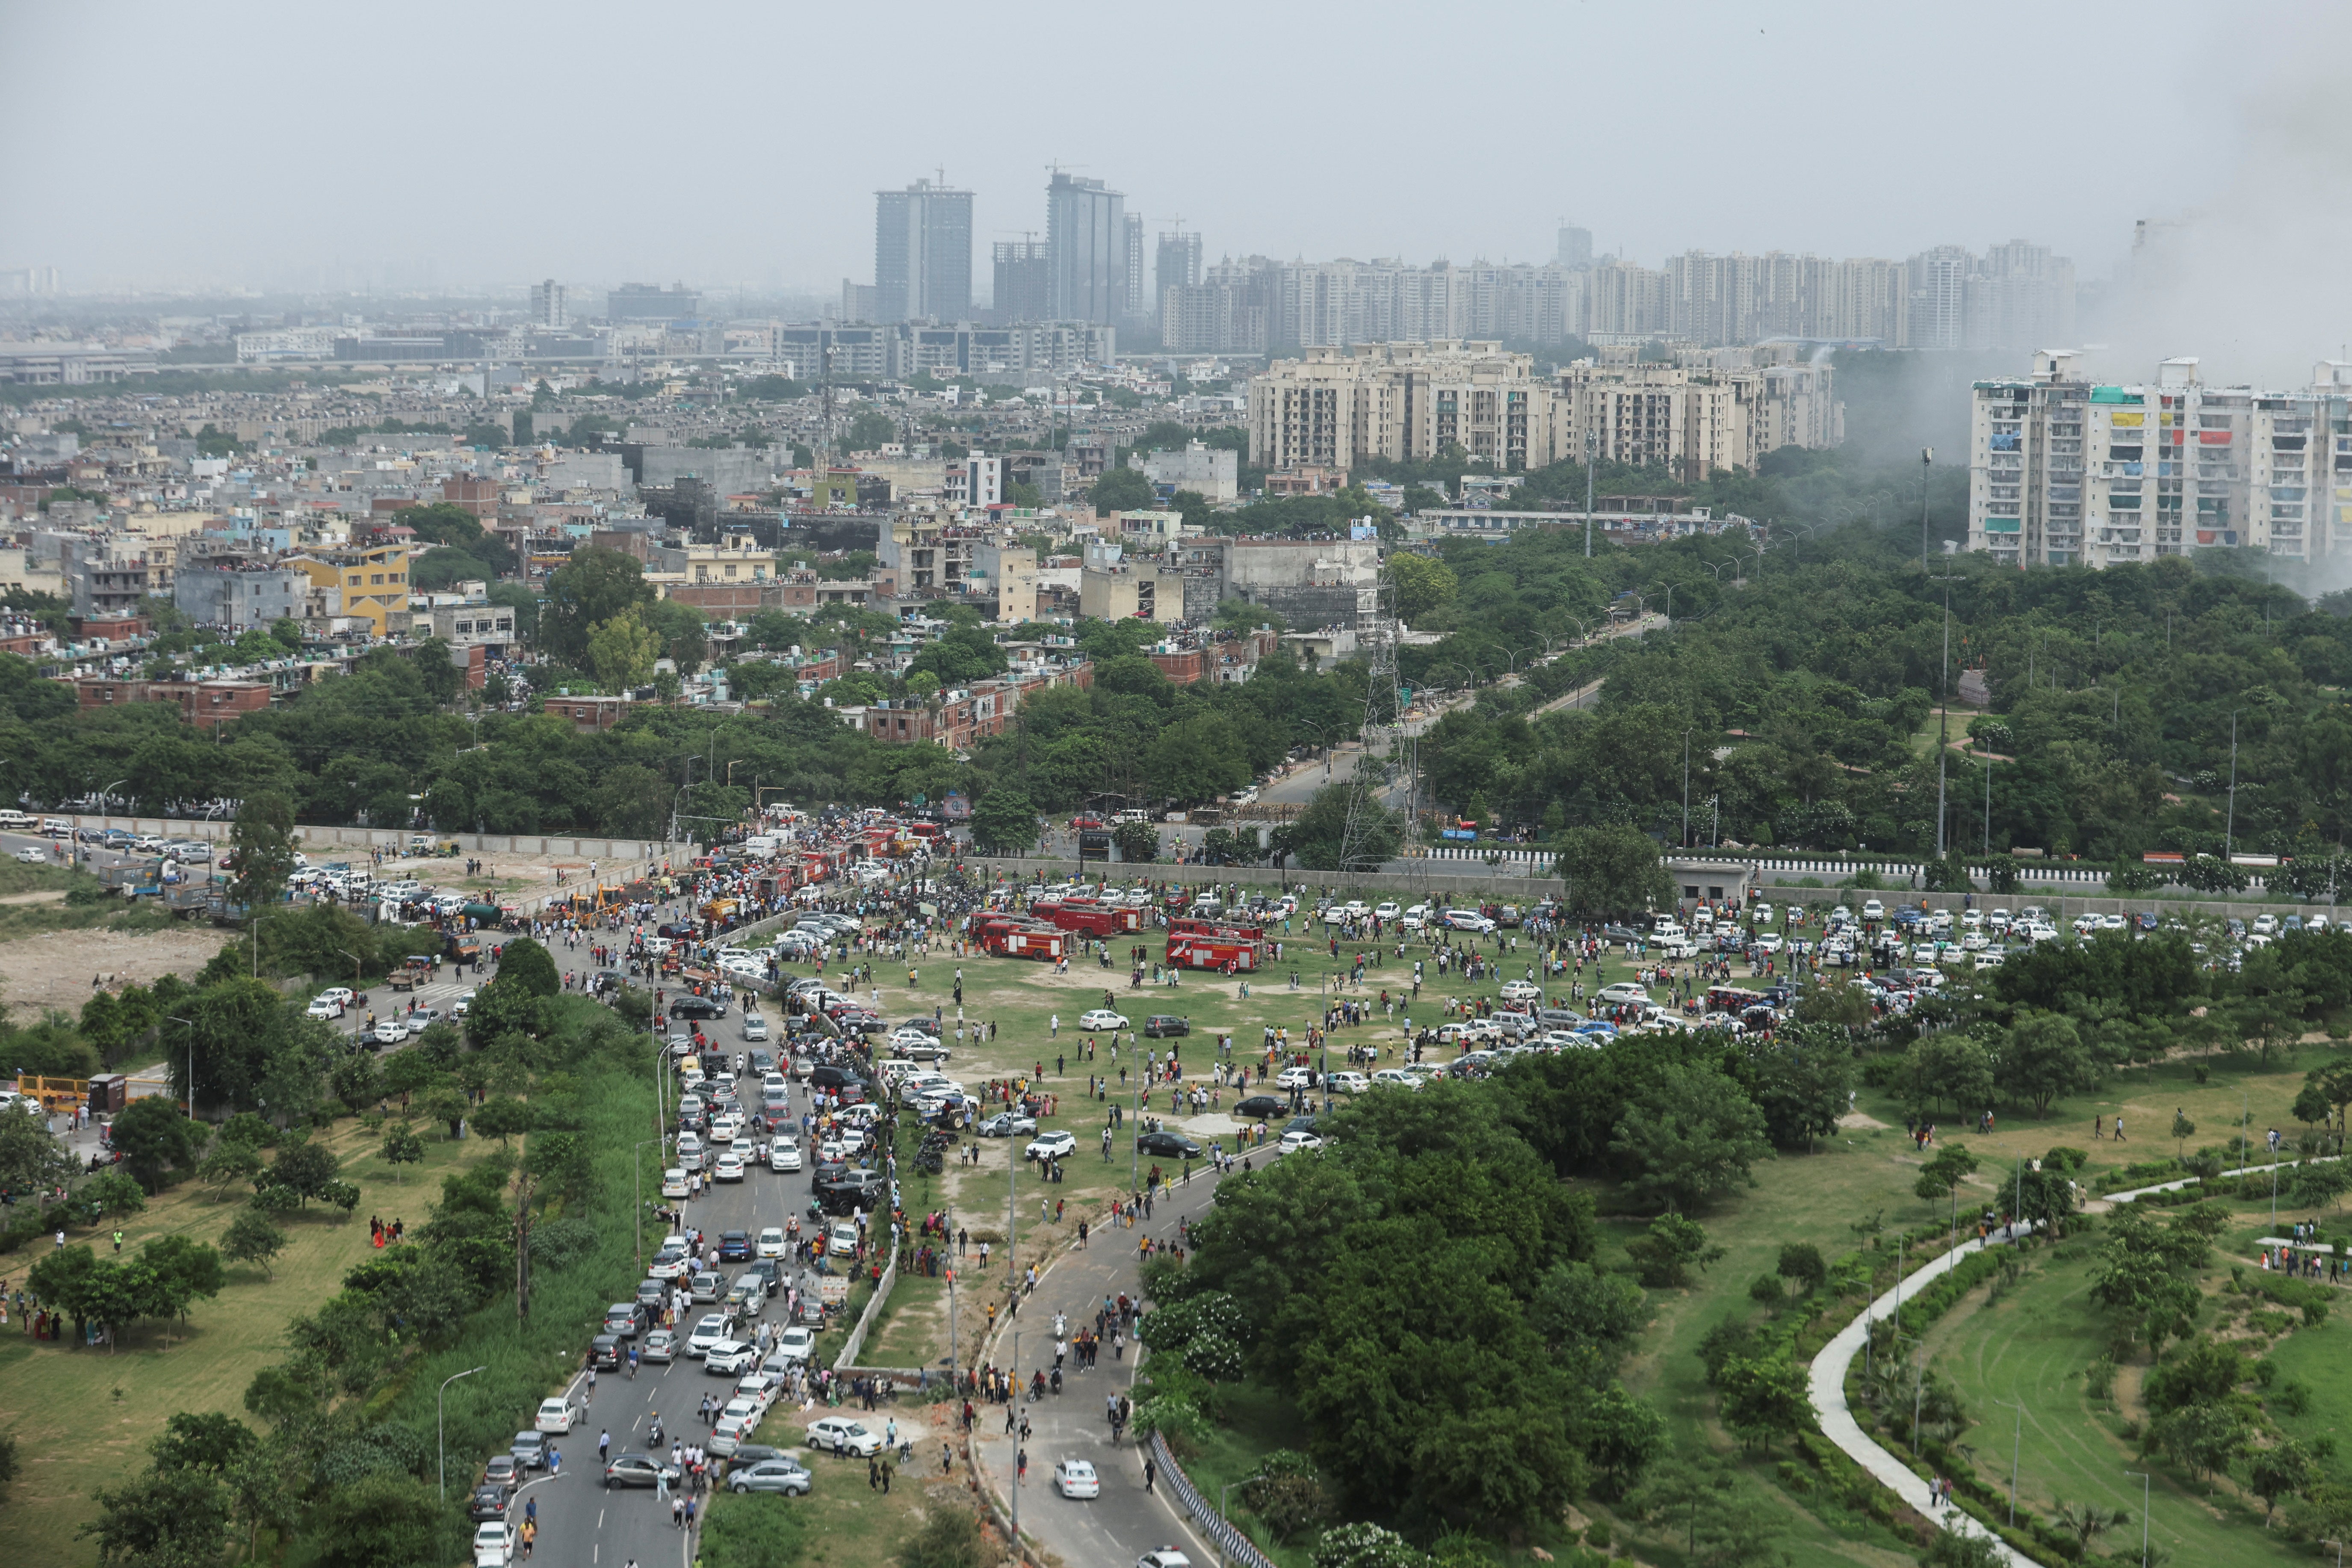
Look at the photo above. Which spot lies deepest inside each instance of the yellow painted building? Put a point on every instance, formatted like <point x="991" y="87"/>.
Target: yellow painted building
<point x="373" y="582"/>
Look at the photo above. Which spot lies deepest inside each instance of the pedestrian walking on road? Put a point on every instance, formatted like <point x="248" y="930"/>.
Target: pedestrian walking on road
<point x="1150" y="1473"/>
<point x="677" y="1513"/>
<point x="604" y="1447"/>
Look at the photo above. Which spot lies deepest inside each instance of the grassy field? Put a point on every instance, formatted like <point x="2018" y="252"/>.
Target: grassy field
<point x="82" y="1418"/>
<point x="1859" y="1180"/>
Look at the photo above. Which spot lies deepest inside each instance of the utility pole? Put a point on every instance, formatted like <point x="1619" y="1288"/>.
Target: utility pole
<point x="1591" y="446"/>
<point x="2143" y="1514"/>
<point x="1686" y="789"/>
<point x="1943" y="709"/>
<point x="2230" y="823"/>
<point x="1926" y="466"/>
<point x="2017" y="1443"/>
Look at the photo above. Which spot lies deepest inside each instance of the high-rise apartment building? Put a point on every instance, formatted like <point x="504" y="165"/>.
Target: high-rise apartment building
<point x="1575" y="248"/>
<point x="2064" y="471"/>
<point x="547" y="305"/>
<point x="1225" y="313"/>
<point x="1024" y="281"/>
<point x="1403" y="402"/>
<point x="1716" y="409"/>
<point x="1177" y="264"/>
<point x="1134" y="290"/>
<point x="922" y="254"/>
<point x="1086" y="251"/>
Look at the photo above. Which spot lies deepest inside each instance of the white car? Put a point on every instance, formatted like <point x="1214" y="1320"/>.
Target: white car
<point x="1295" y="1077"/>
<point x="31" y="855"/>
<point x="1521" y="991"/>
<point x="1102" y="1018"/>
<point x="1298" y="1139"/>
<point x="558" y="1415"/>
<point x="729" y="1358"/>
<point x="1623" y="991"/>
<point x="674" y="1260"/>
<point x="795" y="1344"/>
<point x="783" y="1154"/>
<point x="770" y="1243"/>
<point x="724" y="1127"/>
<point x="462" y="1005"/>
<point x="912" y="1040"/>
<point x="1470" y="921"/>
<point x="844" y="1436"/>
<point x="738" y="1416"/>
<point x="711" y="1330"/>
<point x="674" y="1183"/>
<point x="1414" y="918"/>
<point x="1387" y="911"/>
<point x="728" y="1168"/>
<point x="1052" y="1146"/>
<point x="1350" y="1083"/>
<point x="1873" y="909"/>
<point x="1076" y="1478"/>
<point x="389" y="1032"/>
<point x="494" y="1544"/>
<point x="1764" y="915"/>
<point x="324" y="1007"/>
<point x="1395" y="1078"/>
<point x="1769" y="942"/>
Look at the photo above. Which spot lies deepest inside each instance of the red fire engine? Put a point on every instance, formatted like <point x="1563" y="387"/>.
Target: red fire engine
<point x="1211" y="950"/>
<point x="1010" y="936"/>
<point x="1092" y="917"/>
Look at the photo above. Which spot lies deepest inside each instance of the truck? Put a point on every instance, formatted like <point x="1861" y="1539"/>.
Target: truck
<point x="1204" y="926"/>
<point x="1009" y="936"/>
<point x="1211" y="950"/>
<point x="1091" y="916"/>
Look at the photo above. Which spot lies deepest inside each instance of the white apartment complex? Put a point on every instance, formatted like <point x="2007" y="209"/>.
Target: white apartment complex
<point x="1406" y="402"/>
<point x="2066" y="472"/>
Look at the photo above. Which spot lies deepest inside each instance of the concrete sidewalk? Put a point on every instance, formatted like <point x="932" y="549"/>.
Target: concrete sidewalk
<point x="1827" y="1391"/>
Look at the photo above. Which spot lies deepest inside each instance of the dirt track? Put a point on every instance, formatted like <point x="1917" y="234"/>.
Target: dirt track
<point x="54" y="969"/>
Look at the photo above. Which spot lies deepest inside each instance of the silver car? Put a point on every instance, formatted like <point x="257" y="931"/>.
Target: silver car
<point x="784" y="1475"/>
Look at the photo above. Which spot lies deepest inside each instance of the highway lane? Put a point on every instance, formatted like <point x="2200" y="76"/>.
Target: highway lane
<point x="580" y="1522"/>
<point x="1126" y="1521"/>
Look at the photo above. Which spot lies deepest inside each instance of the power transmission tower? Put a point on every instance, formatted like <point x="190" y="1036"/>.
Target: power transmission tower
<point x="1388" y="748"/>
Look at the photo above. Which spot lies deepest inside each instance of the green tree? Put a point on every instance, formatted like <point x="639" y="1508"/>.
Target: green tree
<point x="154" y="1136"/>
<point x="1687" y="1133"/>
<point x="262" y="845"/>
<point x="501" y="1117"/>
<point x="622" y="651"/>
<point x="1622" y="1437"/>
<point x="588" y="590"/>
<point x="2283" y="1470"/>
<point x="399" y="1146"/>
<point x="1760" y="1400"/>
<point x="1424" y="586"/>
<point x="31" y="1159"/>
<point x="2043" y="1059"/>
<point x="1941" y="1176"/>
<point x="684" y="635"/>
<point x="1612" y="871"/>
<point x="304" y="1168"/>
<point x="253" y="1237"/>
<point x="1123" y="490"/>
<point x="166" y="1519"/>
<point x="870" y="430"/>
<point x="1005" y="820"/>
<point x="1801" y="1265"/>
<point x="1138" y="842"/>
<point x="111" y="1193"/>
<point x="379" y="1522"/>
<point x="1663" y="1255"/>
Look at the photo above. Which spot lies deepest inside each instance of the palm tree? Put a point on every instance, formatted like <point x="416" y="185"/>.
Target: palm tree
<point x="2086" y="1520"/>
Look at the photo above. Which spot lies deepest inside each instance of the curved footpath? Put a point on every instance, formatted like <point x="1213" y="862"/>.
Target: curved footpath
<point x="1826" y="1387"/>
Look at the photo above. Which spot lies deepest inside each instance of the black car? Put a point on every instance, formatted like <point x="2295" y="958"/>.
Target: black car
<point x="489" y="1503"/>
<point x="1163" y="1026"/>
<point x="734" y="1247"/>
<point x="763" y="1063"/>
<point x="765" y="1268"/>
<point x="1263" y="1106"/>
<point x="1622" y="934"/>
<point x="824" y="1170"/>
<point x="698" y="1007"/>
<point x="831" y="1076"/>
<point x="1170" y="1143"/>
<point x="841" y="1199"/>
<point x="604" y="1352"/>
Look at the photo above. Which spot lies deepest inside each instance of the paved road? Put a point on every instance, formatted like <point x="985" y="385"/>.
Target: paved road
<point x="1126" y="1521"/>
<point x="582" y="1525"/>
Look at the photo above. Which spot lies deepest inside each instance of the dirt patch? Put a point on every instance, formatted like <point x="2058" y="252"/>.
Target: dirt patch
<point x="41" y="896"/>
<point x="1860" y="1121"/>
<point x="54" y="969"/>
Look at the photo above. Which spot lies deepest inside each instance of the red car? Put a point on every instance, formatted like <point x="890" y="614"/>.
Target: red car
<point x="1085" y="822"/>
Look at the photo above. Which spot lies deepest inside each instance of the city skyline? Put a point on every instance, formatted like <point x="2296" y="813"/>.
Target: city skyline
<point x="1880" y="195"/>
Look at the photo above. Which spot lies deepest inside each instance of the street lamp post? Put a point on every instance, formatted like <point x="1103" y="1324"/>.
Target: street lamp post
<point x="440" y="1437"/>
<point x="2016" y="1443"/>
<point x="105" y="817"/>
<point x="2143" y="1515"/>
<point x="191" y="1065"/>
<point x="636" y="1169"/>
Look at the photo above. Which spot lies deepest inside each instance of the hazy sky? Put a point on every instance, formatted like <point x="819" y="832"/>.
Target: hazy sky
<point x="725" y="144"/>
